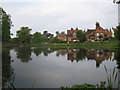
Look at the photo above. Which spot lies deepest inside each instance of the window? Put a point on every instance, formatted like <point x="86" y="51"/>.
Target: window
<point x="101" y="33"/>
<point x="97" y="34"/>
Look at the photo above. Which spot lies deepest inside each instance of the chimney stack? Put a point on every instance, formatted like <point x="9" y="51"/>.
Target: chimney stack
<point x="97" y="25"/>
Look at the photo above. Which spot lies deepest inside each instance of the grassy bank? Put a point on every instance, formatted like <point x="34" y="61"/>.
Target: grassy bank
<point x="97" y="45"/>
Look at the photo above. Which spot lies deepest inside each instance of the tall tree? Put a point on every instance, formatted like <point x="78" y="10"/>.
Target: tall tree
<point x="117" y="33"/>
<point x="57" y="32"/>
<point x="81" y="35"/>
<point x="24" y="35"/>
<point x="6" y="22"/>
<point x="37" y="37"/>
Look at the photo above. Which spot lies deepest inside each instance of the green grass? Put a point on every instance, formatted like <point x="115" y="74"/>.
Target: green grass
<point x="95" y="45"/>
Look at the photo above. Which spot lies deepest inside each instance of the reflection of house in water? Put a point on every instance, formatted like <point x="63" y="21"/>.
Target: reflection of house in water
<point x="72" y="54"/>
<point x="61" y="52"/>
<point x="91" y="54"/>
<point x="98" y="55"/>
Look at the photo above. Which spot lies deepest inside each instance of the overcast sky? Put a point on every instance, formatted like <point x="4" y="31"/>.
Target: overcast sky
<point x="61" y="15"/>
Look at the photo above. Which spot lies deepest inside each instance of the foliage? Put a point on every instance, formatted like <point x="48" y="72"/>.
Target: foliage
<point x="6" y="25"/>
<point x="54" y="40"/>
<point x="44" y="38"/>
<point x="112" y="77"/>
<point x="62" y="32"/>
<point x="14" y="40"/>
<point x="57" y="32"/>
<point x="37" y="37"/>
<point x="85" y="85"/>
<point x="117" y="33"/>
<point x="48" y="35"/>
<point x="81" y="35"/>
<point x="24" y="35"/>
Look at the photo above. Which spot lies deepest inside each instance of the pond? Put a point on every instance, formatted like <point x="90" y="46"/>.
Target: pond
<point x="38" y="67"/>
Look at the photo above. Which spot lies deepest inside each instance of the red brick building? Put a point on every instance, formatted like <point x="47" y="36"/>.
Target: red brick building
<point x="62" y="37"/>
<point x="98" y="34"/>
<point x="70" y="36"/>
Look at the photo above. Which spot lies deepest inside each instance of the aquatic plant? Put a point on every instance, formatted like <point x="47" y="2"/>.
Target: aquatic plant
<point x="112" y="77"/>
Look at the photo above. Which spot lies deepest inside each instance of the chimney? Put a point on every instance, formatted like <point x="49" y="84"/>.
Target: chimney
<point x="97" y="25"/>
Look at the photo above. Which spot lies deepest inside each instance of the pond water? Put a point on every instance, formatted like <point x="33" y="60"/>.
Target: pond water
<point x="36" y="67"/>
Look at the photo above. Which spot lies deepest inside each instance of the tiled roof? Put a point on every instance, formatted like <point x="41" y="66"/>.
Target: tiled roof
<point x="89" y="31"/>
<point x="71" y="32"/>
<point x="62" y="34"/>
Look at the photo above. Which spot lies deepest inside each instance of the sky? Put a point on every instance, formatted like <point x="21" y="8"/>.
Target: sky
<point x="60" y="15"/>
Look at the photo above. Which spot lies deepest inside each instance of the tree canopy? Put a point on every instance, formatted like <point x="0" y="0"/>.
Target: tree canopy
<point x="37" y="37"/>
<point x="81" y="35"/>
<point x="117" y="33"/>
<point x="6" y="22"/>
<point x="24" y="35"/>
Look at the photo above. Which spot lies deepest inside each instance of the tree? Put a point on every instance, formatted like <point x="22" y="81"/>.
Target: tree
<point x="62" y="32"/>
<point x="44" y="38"/>
<point x="24" y="35"/>
<point x="57" y="32"/>
<point x="116" y="1"/>
<point x="6" y="22"/>
<point x="81" y="35"/>
<point x="72" y="29"/>
<point x="117" y="33"/>
<point x="54" y="40"/>
<point x="37" y="37"/>
<point x="51" y="35"/>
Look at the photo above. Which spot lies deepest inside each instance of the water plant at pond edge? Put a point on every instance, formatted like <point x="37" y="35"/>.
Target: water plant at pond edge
<point x="111" y="81"/>
<point x="112" y="77"/>
<point x="85" y="85"/>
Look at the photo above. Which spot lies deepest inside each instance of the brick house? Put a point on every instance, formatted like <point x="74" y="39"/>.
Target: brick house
<point x="62" y="37"/>
<point x="71" y="35"/>
<point x="98" y="34"/>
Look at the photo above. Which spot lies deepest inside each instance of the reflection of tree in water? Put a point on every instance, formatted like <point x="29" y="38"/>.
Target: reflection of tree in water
<point x="24" y="54"/>
<point x="81" y="54"/>
<point x="38" y="51"/>
<point x="7" y="70"/>
<point x="45" y="51"/>
<point x="117" y="57"/>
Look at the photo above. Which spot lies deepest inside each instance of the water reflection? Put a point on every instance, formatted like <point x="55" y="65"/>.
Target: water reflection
<point x="83" y="54"/>
<point x="98" y="55"/>
<point x="45" y="51"/>
<point x="53" y="64"/>
<point x="7" y="70"/>
<point x="117" y="58"/>
<point x="24" y="54"/>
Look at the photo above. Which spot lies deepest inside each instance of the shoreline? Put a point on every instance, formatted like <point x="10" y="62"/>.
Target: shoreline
<point x="94" y="45"/>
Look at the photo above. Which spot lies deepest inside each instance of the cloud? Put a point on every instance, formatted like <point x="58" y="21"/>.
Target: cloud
<point x="61" y="14"/>
<point x="56" y="0"/>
